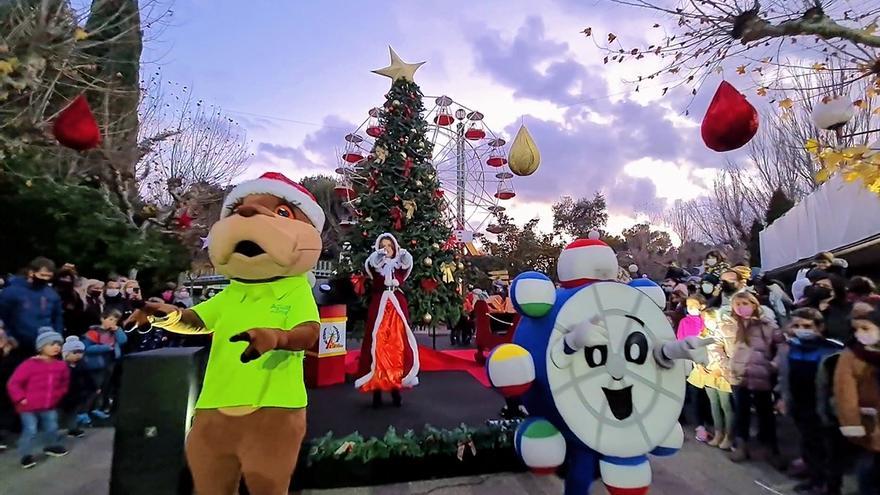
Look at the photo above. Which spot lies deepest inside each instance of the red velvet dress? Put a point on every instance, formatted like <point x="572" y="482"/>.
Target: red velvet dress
<point x="389" y="357"/>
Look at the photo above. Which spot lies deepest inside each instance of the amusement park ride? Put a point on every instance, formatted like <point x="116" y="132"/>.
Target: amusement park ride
<point x="470" y="159"/>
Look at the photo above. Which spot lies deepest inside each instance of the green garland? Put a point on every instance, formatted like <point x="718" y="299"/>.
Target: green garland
<point x="430" y="441"/>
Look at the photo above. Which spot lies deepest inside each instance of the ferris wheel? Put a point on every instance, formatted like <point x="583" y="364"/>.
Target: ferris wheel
<point x="469" y="158"/>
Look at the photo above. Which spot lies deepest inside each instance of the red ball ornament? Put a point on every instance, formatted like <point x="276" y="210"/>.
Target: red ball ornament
<point x="429" y="285"/>
<point x="184" y="221"/>
<point x="413" y="242"/>
<point x="76" y="126"/>
<point x="365" y="234"/>
<point x="730" y="122"/>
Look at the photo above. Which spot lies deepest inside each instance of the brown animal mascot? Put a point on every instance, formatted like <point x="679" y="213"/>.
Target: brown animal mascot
<point x="251" y="415"/>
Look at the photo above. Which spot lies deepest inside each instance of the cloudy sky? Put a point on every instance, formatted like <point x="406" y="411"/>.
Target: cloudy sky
<point x="297" y="76"/>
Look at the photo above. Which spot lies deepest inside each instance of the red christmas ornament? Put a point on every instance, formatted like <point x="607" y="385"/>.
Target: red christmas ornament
<point x="372" y="183"/>
<point x="397" y="216"/>
<point x="407" y="166"/>
<point x="76" y="126"/>
<point x="413" y="242"/>
<point x="429" y="285"/>
<point x="184" y="221"/>
<point x="438" y="193"/>
<point x="730" y="122"/>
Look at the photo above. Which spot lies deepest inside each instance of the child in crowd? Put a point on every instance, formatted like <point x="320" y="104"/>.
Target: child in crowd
<point x="717" y="384"/>
<point x="799" y="365"/>
<point x="36" y="387"/>
<point x="857" y="395"/>
<point x="753" y="335"/>
<point x="7" y="366"/>
<point x="103" y="347"/>
<point x="81" y="393"/>
<point x="692" y="326"/>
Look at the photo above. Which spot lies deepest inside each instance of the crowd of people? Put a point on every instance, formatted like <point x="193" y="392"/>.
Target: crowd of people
<point x="61" y="344"/>
<point x="811" y="354"/>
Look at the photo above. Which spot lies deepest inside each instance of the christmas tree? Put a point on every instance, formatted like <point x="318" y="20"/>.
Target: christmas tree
<point x="399" y="192"/>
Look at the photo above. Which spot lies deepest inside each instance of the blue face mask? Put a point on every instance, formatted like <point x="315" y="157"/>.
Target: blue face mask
<point x="805" y="334"/>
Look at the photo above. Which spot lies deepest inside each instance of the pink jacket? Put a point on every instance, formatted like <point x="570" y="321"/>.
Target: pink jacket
<point x="689" y="326"/>
<point x="42" y="382"/>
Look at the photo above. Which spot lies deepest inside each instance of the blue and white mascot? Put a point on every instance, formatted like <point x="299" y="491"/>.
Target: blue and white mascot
<point x="599" y="370"/>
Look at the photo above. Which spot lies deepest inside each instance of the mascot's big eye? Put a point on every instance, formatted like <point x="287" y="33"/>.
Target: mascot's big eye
<point x="636" y="348"/>
<point x="284" y="211"/>
<point x="596" y="355"/>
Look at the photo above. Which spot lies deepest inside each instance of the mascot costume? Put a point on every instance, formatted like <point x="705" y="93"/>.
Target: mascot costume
<point x="599" y="370"/>
<point x="251" y="414"/>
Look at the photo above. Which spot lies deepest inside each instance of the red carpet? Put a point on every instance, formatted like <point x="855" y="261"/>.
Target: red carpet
<point x="431" y="360"/>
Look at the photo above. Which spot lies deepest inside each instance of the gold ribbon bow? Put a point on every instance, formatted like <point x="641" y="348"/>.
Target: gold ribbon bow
<point x="410" y="207"/>
<point x="447" y="268"/>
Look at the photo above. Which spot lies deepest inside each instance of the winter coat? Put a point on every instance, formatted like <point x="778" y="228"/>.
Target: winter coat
<point x="753" y="365"/>
<point x="689" y="326"/>
<point x="102" y="347"/>
<point x="43" y="382"/>
<point x="25" y="309"/>
<point x="81" y="388"/>
<point x="857" y="396"/>
<point x="799" y="361"/>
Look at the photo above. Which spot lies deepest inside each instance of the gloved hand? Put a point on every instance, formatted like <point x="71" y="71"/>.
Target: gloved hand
<point x="580" y="335"/>
<point x="692" y="348"/>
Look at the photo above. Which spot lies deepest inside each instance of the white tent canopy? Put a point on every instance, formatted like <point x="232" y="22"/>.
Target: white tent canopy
<point x="835" y="215"/>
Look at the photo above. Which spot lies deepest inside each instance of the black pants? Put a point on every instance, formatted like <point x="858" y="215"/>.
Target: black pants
<point x="763" y="402"/>
<point x="822" y="448"/>
<point x="868" y="471"/>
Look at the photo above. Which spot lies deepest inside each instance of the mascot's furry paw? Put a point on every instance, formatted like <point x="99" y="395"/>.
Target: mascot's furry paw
<point x="260" y="341"/>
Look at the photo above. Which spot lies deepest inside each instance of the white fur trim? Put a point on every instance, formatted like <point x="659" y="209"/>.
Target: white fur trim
<point x="852" y="431"/>
<point x="276" y="188"/>
<point x="411" y="379"/>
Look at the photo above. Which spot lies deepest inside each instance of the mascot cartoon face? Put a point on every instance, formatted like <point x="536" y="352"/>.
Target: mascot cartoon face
<point x="613" y="395"/>
<point x="270" y="228"/>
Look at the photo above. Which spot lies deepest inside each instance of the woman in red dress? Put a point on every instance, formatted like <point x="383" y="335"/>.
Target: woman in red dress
<point x="389" y="358"/>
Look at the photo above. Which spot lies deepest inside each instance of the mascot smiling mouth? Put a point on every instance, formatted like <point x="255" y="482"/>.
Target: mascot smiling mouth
<point x="620" y="401"/>
<point x="249" y="249"/>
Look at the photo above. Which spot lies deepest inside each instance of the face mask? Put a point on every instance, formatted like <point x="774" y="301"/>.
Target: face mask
<point x="711" y="261"/>
<point x="867" y="339"/>
<point x="94" y="293"/>
<point x="821" y="293"/>
<point x="744" y="311"/>
<point x="805" y="334"/>
<point x="707" y="288"/>
<point x="728" y="287"/>
<point x="693" y="312"/>
<point x="39" y="283"/>
<point x="667" y="290"/>
<point x="112" y="292"/>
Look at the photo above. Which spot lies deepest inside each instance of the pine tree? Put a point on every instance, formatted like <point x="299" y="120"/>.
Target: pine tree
<point x="400" y="193"/>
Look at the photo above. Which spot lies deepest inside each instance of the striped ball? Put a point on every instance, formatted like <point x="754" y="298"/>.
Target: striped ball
<point x="511" y="370"/>
<point x="650" y="289"/>
<point x="626" y="476"/>
<point x="540" y="445"/>
<point x="533" y="294"/>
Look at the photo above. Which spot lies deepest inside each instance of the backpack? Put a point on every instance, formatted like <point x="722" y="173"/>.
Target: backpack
<point x="825" y="404"/>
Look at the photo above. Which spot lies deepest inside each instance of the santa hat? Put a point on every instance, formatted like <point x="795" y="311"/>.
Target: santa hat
<point x="584" y="261"/>
<point x="278" y="185"/>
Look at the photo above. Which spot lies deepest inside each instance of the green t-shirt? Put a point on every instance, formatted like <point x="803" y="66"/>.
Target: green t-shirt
<point x="276" y="378"/>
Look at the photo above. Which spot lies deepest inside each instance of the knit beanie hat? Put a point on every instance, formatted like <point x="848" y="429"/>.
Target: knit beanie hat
<point x="46" y="336"/>
<point x="72" y="344"/>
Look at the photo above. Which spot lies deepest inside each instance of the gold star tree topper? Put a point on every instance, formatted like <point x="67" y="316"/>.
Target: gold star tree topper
<point x="398" y="68"/>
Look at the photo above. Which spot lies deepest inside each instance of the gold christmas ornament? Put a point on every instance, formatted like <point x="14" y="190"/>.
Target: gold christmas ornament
<point x="461" y="266"/>
<point x="398" y="68"/>
<point x="427" y="318"/>
<point x="523" y="157"/>
<point x="428" y="262"/>
<point x="435" y="246"/>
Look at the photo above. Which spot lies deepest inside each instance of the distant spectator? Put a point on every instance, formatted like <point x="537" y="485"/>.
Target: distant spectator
<point x="168" y="293"/>
<point x="183" y="298"/>
<point x="113" y="296"/>
<point x="82" y="391"/>
<point x="823" y="261"/>
<point x="94" y="302"/>
<point x="715" y="263"/>
<point x="7" y="366"/>
<point x="29" y="304"/>
<point x="71" y="302"/>
<point x="828" y="295"/>
<point x="862" y="289"/>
